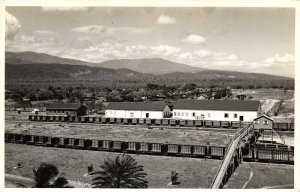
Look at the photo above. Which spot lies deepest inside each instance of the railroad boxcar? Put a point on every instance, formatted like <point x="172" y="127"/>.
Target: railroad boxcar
<point x="69" y="142"/>
<point x="106" y="145"/>
<point x="35" y="117"/>
<point x="57" y="118"/>
<point x="198" y="123"/>
<point x="165" y="122"/>
<point x="143" y="147"/>
<point x="97" y="119"/>
<point x="91" y="119"/>
<point x="19" y="138"/>
<point x="126" y="121"/>
<point x="45" y="118"/>
<point x="173" y="122"/>
<point x="83" y="119"/>
<point x="71" y="119"/>
<point x="216" y="123"/>
<point x="148" y="121"/>
<point x="190" y="122"/>
<point x="39" y="140"/>
<point x="11" y="137"/>
<point x="118" y="145"/>
<point x="40" y="117"/>
<point x="95" y="144"/>
<point x="77" y="119"/>
<point x="208" y="123"/>
<point x="182" y="122"/>
<point x="104" y="120"/>
<point x="80" y="144"/>
<point x="111" y="120"/>
<point x="260" y="145"/>
<point x="199" y="150"/>
<point x="173" y="149"/>
<point x="157" y="122"/>
<point x="155" y="148"/>
<point x="236" y="124"/>
<point x="29" y="117"/>
<point x="119" y="120"/>
<point x="64" y="118"/>
<point x="132" y="147"/>
<point x="283" y="126"/>
<point x="216" y="151"/>
<point x="141" y="121"/>
<point x="270" y="146"/>
<point x="51" y="118"/>
<point x="134" y="121"/>
<point x="292" y="127"/>
<point x="225" y="124"/>
<point x="6" y="137"/>
<point x="30" y="139"/>
<point x="186" y="150"/>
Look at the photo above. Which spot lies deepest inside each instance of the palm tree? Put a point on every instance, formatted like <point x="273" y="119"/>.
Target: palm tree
<point x="121" y="172"/>
<point x="46" y="176"/>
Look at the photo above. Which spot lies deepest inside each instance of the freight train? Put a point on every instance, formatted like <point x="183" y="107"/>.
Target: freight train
<point x="198" y="151"/>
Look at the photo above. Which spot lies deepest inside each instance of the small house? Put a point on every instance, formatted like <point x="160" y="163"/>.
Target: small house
<point x="35" y="111"/>
<point x="72" y="109"/>
<point x="263" y="122"/>
<point x="137" y="110"/>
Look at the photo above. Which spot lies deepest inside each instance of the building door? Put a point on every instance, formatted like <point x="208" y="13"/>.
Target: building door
<point x="147" y="115"/>
<point x="241" y="118"/>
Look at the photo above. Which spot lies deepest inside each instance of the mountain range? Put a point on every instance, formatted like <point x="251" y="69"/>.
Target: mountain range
<point x="24" y="67"/>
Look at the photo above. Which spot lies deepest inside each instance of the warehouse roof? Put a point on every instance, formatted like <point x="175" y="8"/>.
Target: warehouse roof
<point x="140" y="106"/>
<point x="64" y="106"/>
<point x="221" y="105"/>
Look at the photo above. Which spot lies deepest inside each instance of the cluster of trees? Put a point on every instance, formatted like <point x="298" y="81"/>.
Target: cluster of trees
<point x="119" y="172"/>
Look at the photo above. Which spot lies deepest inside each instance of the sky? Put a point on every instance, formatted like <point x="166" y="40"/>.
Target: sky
<point x="237" y="39"/>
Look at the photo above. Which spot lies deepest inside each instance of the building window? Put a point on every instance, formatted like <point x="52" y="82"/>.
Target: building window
<point x="186" y="114"/>
<point x="174" y="113"/>
<point x="131" y="114"/>
<point x="194" y="114"/>
<point x="265" y="122"/>
<point x="182" y="114"/>
<point x="235" y="115"/>
<point x="202" y="116"/>
<point x="226" y="115"/>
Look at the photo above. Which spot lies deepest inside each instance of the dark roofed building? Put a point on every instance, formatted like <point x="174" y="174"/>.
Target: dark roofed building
<point x="137" y="110"/>
<point x="219" y="110"/>
<point x="73" y="109"/>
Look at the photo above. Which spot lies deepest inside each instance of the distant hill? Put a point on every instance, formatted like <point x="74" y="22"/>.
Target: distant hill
<point x="36" y="71"/>
<point x="28" y="57"/>
<point x="154" y="66"/>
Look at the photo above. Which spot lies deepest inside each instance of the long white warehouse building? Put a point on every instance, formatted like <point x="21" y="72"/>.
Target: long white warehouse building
<point x="217" y="110"/>
<point x="137" y="110"/>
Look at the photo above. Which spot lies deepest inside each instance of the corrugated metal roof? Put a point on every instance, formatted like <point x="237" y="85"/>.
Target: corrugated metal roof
<point x="136" y="106"/>
<point x="64" y="106"/>
<point x="221" y="105"/>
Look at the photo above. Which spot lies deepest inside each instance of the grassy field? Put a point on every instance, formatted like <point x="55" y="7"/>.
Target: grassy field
<point x="193" y="173"/>
<point x="250" y="175"/>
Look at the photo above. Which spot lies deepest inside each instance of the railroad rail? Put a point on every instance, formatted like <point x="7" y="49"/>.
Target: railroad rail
<point x="229" y="160"/>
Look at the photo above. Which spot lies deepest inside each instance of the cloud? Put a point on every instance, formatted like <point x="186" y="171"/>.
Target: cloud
<point x="98" y="29"/>
<point x="202" y="53"/>
<point x="47" y="9"/>
<point x="165" y="20"/>
<point x="44" y="32"/>
<point x="286" y="58"/>
<point x="12" y="26"/>
<point x="194" y="39"/>
<point x="164" y="50"/>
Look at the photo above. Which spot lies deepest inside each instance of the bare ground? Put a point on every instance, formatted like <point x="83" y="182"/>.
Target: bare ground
<point x="193" y="173"/>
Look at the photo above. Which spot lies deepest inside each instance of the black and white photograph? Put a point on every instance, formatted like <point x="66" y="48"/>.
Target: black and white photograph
<point x="173" y="97"/>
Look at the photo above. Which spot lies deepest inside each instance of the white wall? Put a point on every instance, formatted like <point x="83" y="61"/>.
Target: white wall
<point x="214" y="115"/>
<point x="136" y="114"/>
